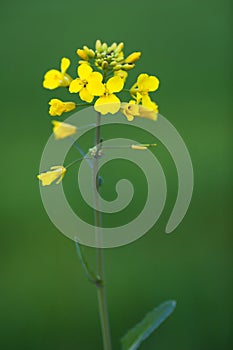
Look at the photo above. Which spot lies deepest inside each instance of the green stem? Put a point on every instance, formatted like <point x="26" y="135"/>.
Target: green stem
<point x="101" y="289"/>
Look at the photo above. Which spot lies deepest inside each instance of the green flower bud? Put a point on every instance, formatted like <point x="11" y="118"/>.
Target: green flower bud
<point x="98" y="45"/>
<point x="105" y="65"/>
<point x="91" y="53"/>
<point x="113" y="64"/>
<point x="118" y="66"/>
<point x="128" y="66"/>
<point x="104" y="47"/>
<point x="119" y="47"/>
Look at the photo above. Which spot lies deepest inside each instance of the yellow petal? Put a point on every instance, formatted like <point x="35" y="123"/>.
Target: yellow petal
<point x="146" y="83"/>
<point x="107" y="104"/>
<point x="84" y="70"/>
<point x="52" y="79"/>
<point x="65" y="63"/>
<point x="115" y="84"/>
<point x="62" y="130"/>
<point x="85" y="95"/>
<point x="141" y="78"/>
<point x="152" y="83"/>
<point x="76" y="85"/>
<point x="96" y="76"/>
<point x="95" y="87"/>
<point x="146" y="102"/>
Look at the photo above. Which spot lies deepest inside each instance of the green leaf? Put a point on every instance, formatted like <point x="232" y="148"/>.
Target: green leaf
<point x="133" y="339"/>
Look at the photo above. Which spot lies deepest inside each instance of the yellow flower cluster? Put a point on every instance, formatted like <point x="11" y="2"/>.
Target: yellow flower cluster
<point x="101" y="74"/>
<point x="99" y="87"/>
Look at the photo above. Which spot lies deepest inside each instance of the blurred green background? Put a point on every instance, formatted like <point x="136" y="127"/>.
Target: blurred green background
<point x="46" y="301"/>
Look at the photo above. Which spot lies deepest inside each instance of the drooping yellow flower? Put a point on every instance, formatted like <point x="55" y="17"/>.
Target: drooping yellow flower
<point x="140" y="90"/>
<point x="131" y="110"/>
<point x="133" y="57"/>
<point x="108" y="102"/>
<point x="55" y="173"/>
<point x="55" y="78"/>
<point x="62" y="130"/>
<point x="81" y="85"/>
<point x="57" y="107"/>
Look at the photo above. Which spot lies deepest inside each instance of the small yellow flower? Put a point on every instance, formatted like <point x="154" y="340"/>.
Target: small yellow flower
<point x="133" y="57"/>
<point x="131" y="110"/>
<point x="55" y="173"/>
<point x="81" y="85"/>
<point x="62" y="130"/>
<point x="140" y="90"/>
<point x="108" y="102"/>
<point x="55" y="78"/>
<point x="57" y="107"/>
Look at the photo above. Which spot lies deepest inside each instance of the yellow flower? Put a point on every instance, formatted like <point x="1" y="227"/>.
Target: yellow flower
<point x="62" y="130"/>
<point x="133" y="57"/>
<point x="131" y="110"/>
<point x="108" y="102"/>
<point x="55" y="78"/>
<point x="140" y="90"/>
<point x="121" y="73"/>
<point x="55" y="173"/>
<point x="81" y="84"/>
<point x="58" y="107"/>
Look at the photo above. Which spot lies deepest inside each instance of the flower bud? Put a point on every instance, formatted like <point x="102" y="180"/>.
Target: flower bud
<point x="133" y="57"/>
<point x="113" y="64"/>
<point x="98" y="45"/>
<point x="117" y="67"/>
<point x="128" y="66"/>
<point x="119" y="47"/>
<point x="91" y="53"/>
<point x="82" y="54"/>
<point x="112" y="47"/>
<point x="105" y="65"/>
<point x="104" y="47"/>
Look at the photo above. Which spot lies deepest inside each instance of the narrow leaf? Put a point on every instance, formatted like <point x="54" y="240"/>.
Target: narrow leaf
<point x="133" y="339"/>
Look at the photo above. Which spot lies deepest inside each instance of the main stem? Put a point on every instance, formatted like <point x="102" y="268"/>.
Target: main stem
<point x="101" y="290"/>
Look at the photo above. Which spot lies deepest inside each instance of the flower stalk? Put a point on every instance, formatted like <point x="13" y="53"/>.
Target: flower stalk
<point x="101" y="288"/>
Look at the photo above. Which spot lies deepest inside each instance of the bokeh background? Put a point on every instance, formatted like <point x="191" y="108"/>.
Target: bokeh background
<point x="45" y="300"/>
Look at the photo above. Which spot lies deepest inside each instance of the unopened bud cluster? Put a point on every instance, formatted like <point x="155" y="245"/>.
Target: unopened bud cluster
<point x="108" y="57"/>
